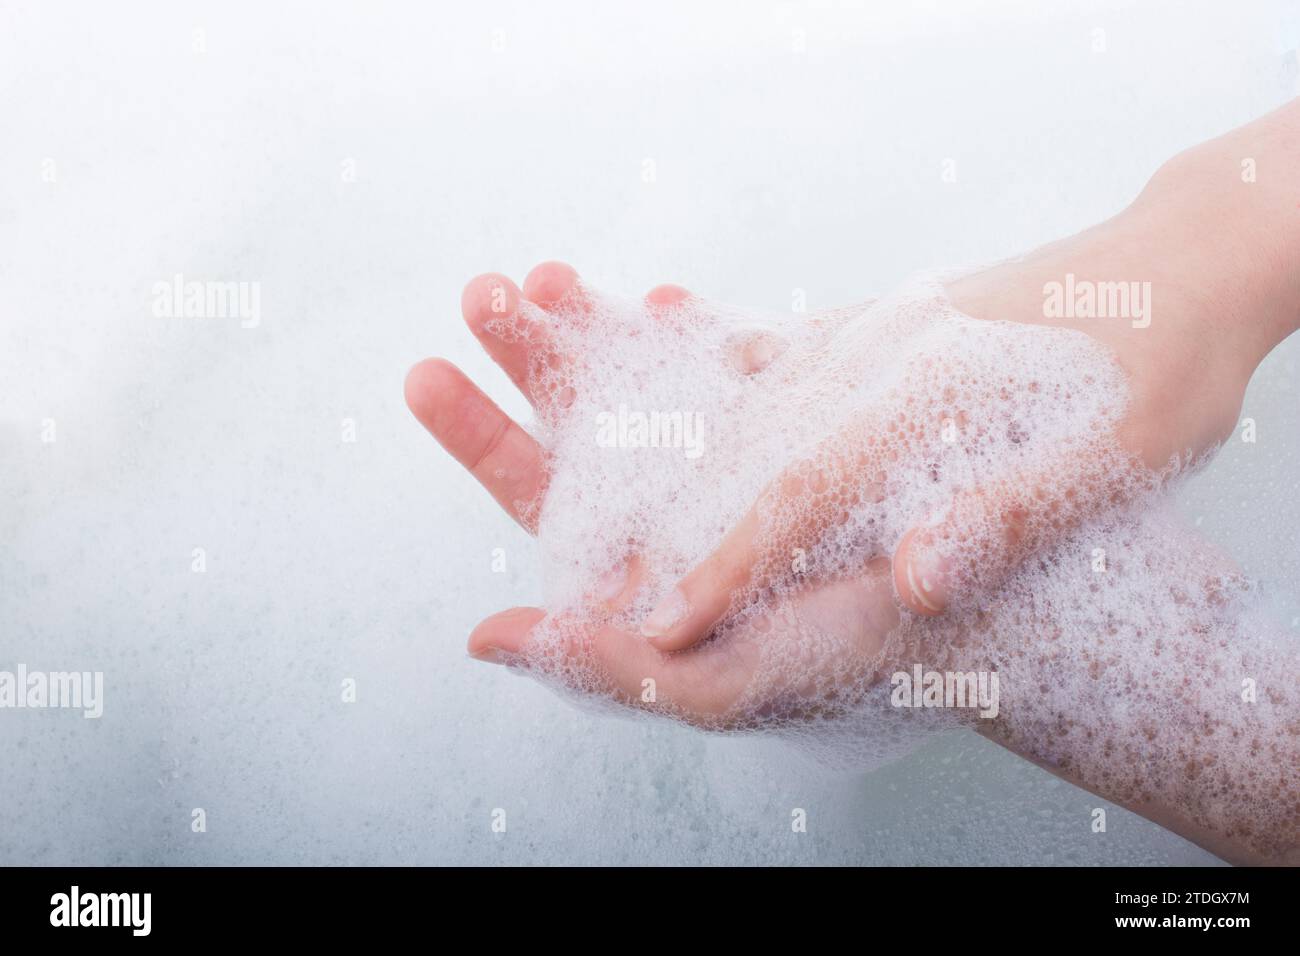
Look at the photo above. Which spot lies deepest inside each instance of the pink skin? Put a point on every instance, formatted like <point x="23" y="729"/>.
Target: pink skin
<point x="704" y="683"/>
<point x="701" y="686"/>
<point x="1225" y="298"/>
<point x="1222" y="301"/>
<point x="1221" y="263"/>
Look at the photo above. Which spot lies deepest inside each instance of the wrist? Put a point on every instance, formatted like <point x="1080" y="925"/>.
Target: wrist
<point x="1222" y="222"/>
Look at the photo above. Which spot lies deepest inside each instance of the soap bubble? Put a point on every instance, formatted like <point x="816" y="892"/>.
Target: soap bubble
<point x="665" y="424"/>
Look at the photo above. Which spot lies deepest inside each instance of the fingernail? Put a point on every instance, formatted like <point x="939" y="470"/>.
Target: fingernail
<point x="667" y="613"/>
<point x="925" y="579"/>
<point x="489" y="655"/>
<point x="612" y="584"/>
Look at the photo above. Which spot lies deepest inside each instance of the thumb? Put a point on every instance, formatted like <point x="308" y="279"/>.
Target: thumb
<point x="934" y="562"/>
<point x="988" y="532"/>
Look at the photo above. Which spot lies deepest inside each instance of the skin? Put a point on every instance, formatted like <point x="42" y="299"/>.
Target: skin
<point x="1219" y="254"/>
<point x="1222" y="301"/>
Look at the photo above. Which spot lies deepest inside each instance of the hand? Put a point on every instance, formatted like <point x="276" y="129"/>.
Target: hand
<point x="715" y="685"/>
<point x="1218" y="296"/>
<point x="847" y="636"/>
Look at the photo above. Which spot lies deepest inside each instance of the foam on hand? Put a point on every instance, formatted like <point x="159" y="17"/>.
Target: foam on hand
<point x="1125" y="643"/>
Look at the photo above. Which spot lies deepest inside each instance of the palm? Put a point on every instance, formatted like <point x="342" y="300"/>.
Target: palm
<point x="842" y="624"/>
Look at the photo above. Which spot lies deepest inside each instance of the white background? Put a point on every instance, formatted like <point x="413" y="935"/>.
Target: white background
<point x="211" y="140"/>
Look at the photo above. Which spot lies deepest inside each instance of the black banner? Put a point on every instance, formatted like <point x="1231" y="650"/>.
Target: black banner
<point x="335" y="905"/>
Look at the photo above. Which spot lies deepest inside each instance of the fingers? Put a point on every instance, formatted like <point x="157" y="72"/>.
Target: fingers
<point x="504" y="634"/>
<point x="701" y="598"/>
<point x="699" y="687"/>
<point x="920" y="576"/>
<point x="490" y="304"/>
<point x="555" y="285"/>
<point x="504" y="320"/>
<point x="748" y="352"/>
<point x="752" y="352"/>
<point x="617" y="586"/>
<point x="696" y="686"/>
<point x="990" y="524"/>
<point x="806" y="499"/>
<point x="990" y="531"/>
<point x="626" y="659"/>
<point x="667" y="295"/>
<point x="505" y="459"/>
<point x="507" y="322"/>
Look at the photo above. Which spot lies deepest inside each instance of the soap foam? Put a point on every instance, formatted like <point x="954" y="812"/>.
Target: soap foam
<point x="1123" y="643"/>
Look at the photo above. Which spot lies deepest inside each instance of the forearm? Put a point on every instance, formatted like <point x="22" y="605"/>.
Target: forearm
<point x="1211" y="765"/>
<point x="1223" y="223"/>
<point x="1214" y="242"/>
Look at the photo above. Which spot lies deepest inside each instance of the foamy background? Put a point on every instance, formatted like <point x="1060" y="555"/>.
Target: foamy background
<point x="775" y="171"/>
